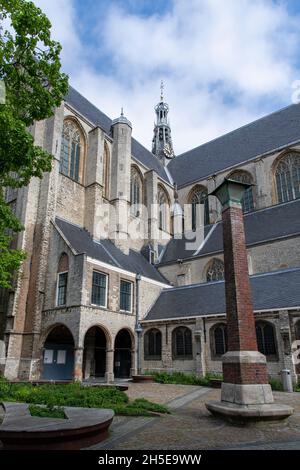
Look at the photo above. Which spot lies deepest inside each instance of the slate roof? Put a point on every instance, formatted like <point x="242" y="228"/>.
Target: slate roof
<point x="96" y="117"/>
<point x="280" y="221"/>
<point x="270" y="291"/>
<point x="105" y="251"/>
<point x="270" y="133"/>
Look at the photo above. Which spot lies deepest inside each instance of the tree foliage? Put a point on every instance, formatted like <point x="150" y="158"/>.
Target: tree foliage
<point x="30" y="69"/>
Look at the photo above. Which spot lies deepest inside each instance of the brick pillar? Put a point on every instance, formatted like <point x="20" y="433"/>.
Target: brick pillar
<point x="245" y="389"/>
<point x="240" y="317"/>
<point x="78" y="358"/>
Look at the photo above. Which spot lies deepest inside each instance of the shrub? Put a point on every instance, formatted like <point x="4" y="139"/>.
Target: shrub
<point x="77" y="395"/>
<point x="181" y="378"/>
<point x="47" y="412"/>
<point x="276" y="385"/>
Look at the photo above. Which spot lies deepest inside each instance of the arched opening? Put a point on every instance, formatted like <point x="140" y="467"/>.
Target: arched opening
<point x="94" y="355"/>
<point x="58" y="354"/>
<point x="123" y="350"/>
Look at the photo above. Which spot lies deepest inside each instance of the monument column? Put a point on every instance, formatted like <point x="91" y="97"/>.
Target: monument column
<point x="246" y="392"/>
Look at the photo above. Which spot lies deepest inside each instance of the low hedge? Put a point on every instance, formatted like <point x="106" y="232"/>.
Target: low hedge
<point x="77" y="395"/>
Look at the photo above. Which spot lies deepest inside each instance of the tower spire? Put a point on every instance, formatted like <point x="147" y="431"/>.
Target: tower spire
<point x="162" y="91"/>
<point x="162" y="146"/>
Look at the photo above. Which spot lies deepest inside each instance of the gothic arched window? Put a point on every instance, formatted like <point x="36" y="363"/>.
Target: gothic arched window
<point x="182" y="343"/>
<point x="72" y="147"/>
<point x="288" y="177"/>
<point x="152" y="344"/>
<point x="197" y="197"/>
<point x="136" y="192"/>
<point x="219" y="339"/>
<point x="163" y="210"/>
<point x="215" y="270"/>
<point x="245" y="177"/>
<point x="106" y="171"/>
<point x="265" y="336"/>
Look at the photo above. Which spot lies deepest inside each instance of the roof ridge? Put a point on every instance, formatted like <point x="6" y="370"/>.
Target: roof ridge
<point x="237" y="129"/>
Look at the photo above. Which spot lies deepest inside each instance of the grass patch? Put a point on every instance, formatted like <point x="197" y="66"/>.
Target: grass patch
<point x="47" y="412"/>
<point x="76" y="394"/>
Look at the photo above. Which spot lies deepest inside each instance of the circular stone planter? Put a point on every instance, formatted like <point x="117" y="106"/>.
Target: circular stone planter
<point x="83" y="427"/>
<point x="142" y="378"/>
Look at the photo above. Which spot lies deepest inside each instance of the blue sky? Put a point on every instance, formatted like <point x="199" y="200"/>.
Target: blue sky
<point x="224" y="63"/>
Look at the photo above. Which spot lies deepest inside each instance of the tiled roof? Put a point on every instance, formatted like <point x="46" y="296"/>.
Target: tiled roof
<point x="270" y="291"/>
<point x="268" y="134"/>
<point x="105" y="251"/>
<point x="280" y="221"/>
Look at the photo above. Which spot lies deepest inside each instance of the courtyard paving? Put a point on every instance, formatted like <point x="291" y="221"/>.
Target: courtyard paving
<point x="190" y="425"/>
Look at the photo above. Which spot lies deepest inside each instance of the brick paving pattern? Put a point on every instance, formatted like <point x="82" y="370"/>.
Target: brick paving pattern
<point x="192" y="427"/>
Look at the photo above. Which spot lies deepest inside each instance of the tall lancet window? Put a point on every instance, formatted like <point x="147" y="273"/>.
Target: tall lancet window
<point x="288" y="177"/>
<point x="163" y="210"/>
<point x="71" y="151"/>
<point x="136" y="192"/>
<point x="197" y="197"/>
<point x="245" y="177"/>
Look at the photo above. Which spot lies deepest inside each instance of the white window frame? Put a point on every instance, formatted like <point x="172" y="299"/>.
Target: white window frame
<point x="57" y="282"/>
<point x="131" y="296"/>
<point x="106" y="289"/>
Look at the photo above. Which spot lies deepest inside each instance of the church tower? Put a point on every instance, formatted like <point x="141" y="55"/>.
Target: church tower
<point x="162" y="146"/>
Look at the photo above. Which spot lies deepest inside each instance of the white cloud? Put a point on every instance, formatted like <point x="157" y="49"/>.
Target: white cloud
<point x="222" y="62"/>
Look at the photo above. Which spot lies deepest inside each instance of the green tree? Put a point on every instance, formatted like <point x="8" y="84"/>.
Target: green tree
<point x="30" y="70"/>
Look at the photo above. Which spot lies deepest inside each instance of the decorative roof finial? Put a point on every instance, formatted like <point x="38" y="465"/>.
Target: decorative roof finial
<point x="162" y="90"/>
<point x="122" y="111"/>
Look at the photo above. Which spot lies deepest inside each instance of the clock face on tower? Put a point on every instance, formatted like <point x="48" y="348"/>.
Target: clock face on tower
<point x="168" y="151"/>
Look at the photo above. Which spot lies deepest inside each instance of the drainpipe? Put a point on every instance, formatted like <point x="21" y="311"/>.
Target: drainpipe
<point x="138" y="328"/>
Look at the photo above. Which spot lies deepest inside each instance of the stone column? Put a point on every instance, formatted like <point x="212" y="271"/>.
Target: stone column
<point x="109" y="374"/>
<point x="133" y="370"/>
<point x="245" y="389"/>
<point x="78" y="360"/>
<point x="200" y="353"/>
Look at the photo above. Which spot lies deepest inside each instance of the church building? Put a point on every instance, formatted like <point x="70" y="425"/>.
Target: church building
<point x="124" y="270"/>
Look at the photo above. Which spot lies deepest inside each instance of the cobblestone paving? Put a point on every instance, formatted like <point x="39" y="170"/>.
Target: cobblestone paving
<point x="158" y="393"/>
<point x="192" y="427"/>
